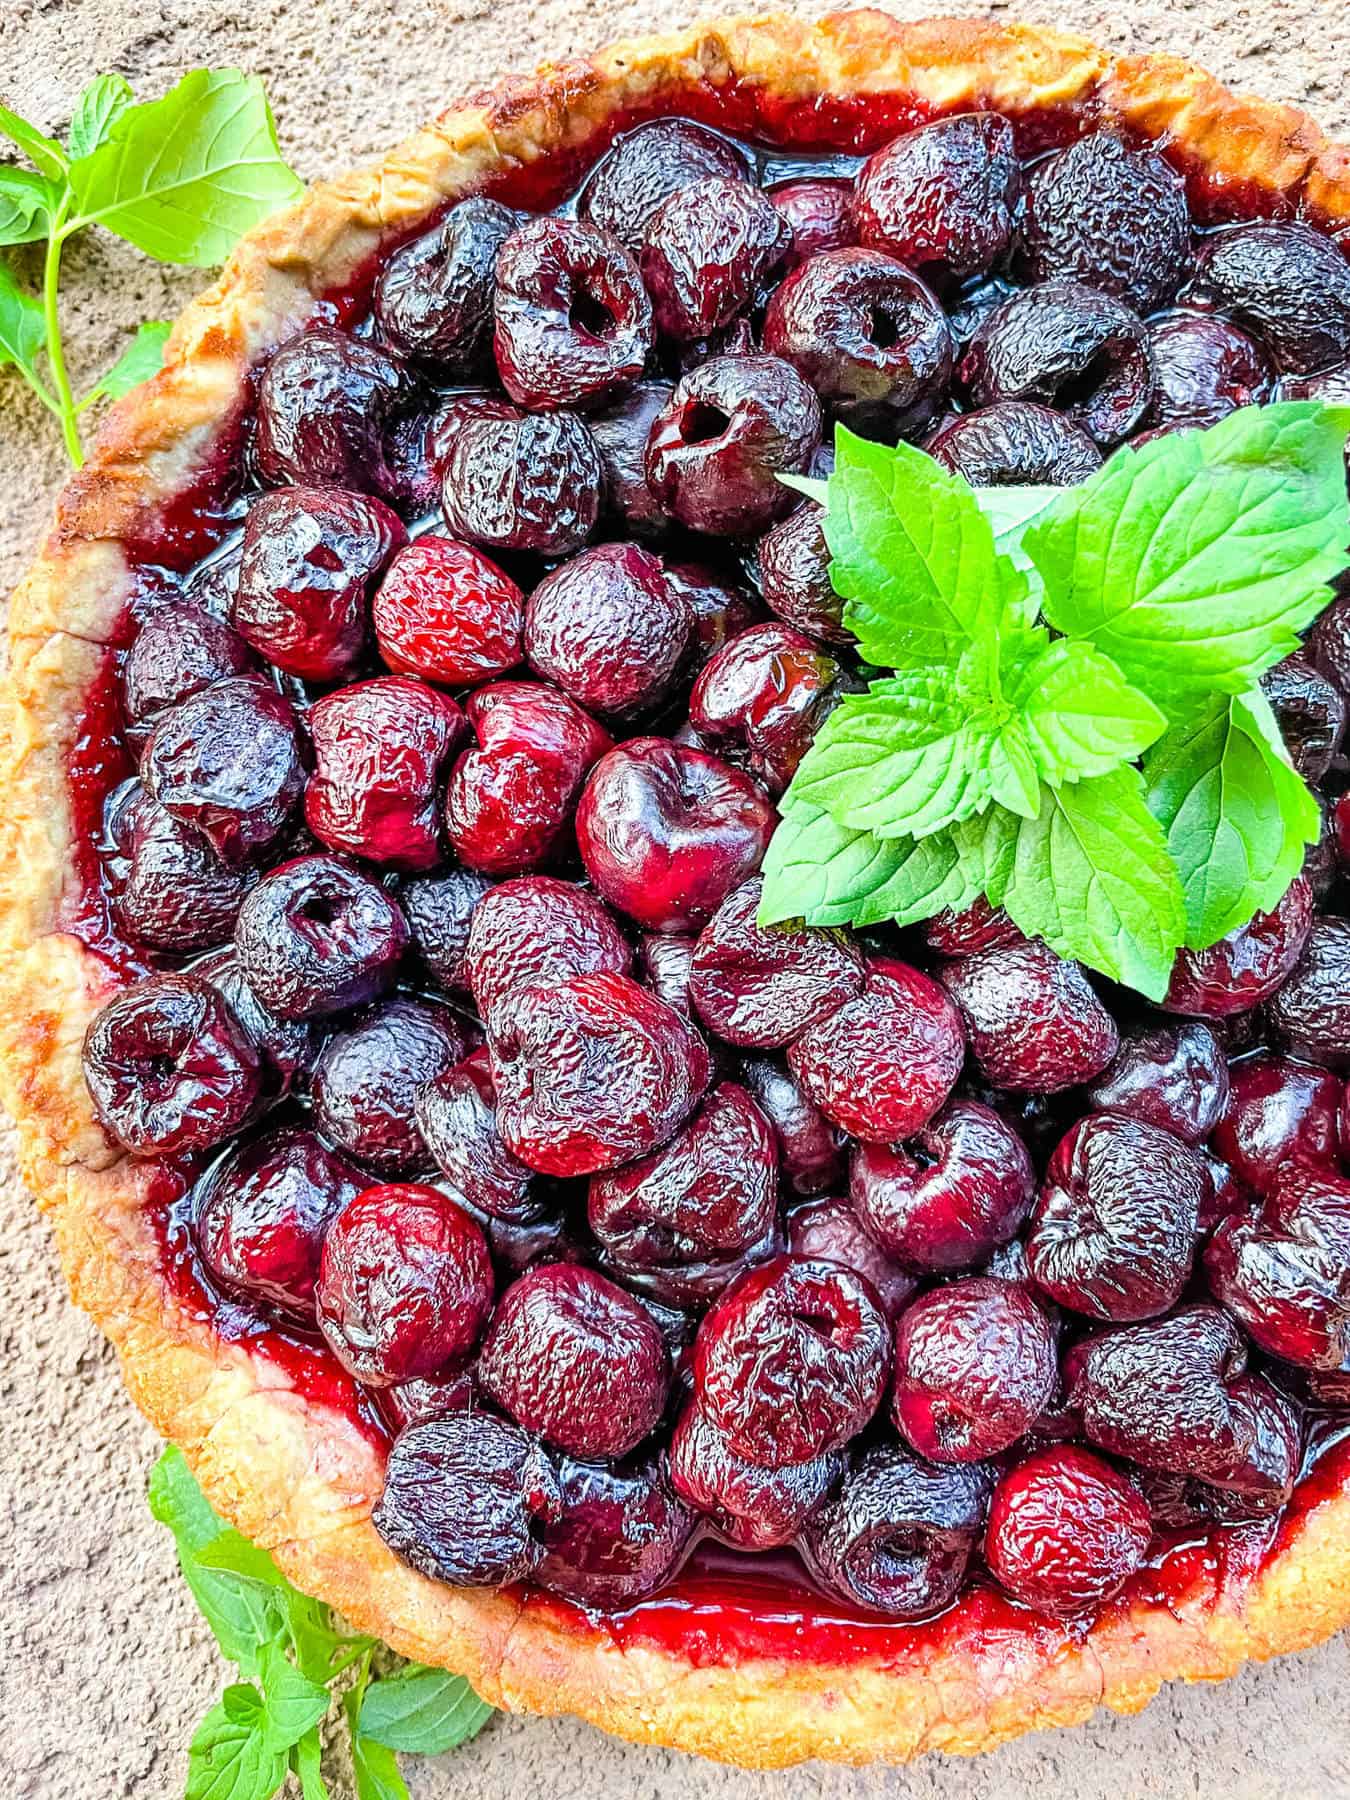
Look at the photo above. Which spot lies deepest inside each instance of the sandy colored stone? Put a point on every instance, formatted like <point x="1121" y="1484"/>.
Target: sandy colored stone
<point x="106" y="1664"/>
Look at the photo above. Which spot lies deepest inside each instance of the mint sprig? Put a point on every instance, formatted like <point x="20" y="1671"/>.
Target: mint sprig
<point x="180" y="177"/>
<point x="294" y="1657"/>
<point x="1043" y="641"/>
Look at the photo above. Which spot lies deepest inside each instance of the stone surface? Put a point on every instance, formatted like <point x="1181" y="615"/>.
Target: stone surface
<point x="107" y="1666"/>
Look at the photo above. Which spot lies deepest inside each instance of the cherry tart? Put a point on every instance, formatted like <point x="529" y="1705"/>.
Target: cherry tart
<point x="772" y="1342"/>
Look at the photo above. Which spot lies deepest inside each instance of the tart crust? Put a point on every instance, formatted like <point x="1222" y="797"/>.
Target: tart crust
<point x="288" y="1471"/>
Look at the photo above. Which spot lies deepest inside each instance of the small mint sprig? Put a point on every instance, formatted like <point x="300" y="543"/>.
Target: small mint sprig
<point x="1000" y="760"/>
<point x="290" y="1652"/>
<point x="181" y="178"/>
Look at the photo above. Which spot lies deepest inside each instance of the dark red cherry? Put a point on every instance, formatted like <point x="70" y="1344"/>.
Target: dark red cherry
<point x="810" y="1147"/>
<point x="646" y="166"/>
<point x="177" y="894"/>
<point x="869" y="337"/>
<point x="572" y="319"/>
<point x="1203" y="369"/>
<point x="829" y="1230"/>
<point x="747" y="1505"/>
<point x="405" y="1283"/>
<point x="941" y="198"/>
<point x="439" y="909"/>
<point x="1115" y="1226"/>
<point x="1310" y="711"/>
<point x="326" y="405"/>
<point x="620" y="430"/>
<point x="975" y="1367"/>
<point x="443" y="611"/>
<point x="456" y="1115"/>
<point x="667" y="832"/>
<point x="1113" y="217"/>
<point x="576" y="1360"/>
<point x="707" y="251"/>
<point x="709" y="1193"/>
<point x="1070" y="347"/>
<point x="287" y="1045"/>
<point x="898" y="1534"/>
<point x="1280" y="1111"/>
<point x="591" y="1073"/>
<point x="1172" y="1076"/>
<point x="621" y="1535"/>
<point x="1264" y="1480"/>
<point x="794" y="576"/>
<point x="609" y="629"/>
<point x="381" y="754"/>
<point x="1284" y="1273"/>
<point x="766" y="691"/>
<point x="978" y="926"/>
<point x="311" y="558"/>
<point x="731" y="427"/>
<point x="665" y="963"/>
<point x="179" y="650"/>
<point x="262" y="1214"/>
<point x="1286" y="283"/>
<point x="819" y="213"/>
<point x="883" y="1064"/>
<point x="522" y="481"/>
<point x="962" y="1186"/>
<point x="1245" y="967"/>
<point x="1014" y="443"/>
<point x="466" y="1500"/>
<point x="1034" y="1020"/>
<point x="169" y="1067"/>
<point x="1161" y="1394"/>
<point x="433" y="298"/>
<point x="1066" y="1530"/>
<point x="792" y="1361"/>
<point x="367" y="1079"/>
<point x="510" y="800"/>
<point x="316" y="937"/>
<point x="226" y="761"/>
<point x="535" y="932"/>
<point x="1311" y="1012"/>
<point x="761" y="986"/>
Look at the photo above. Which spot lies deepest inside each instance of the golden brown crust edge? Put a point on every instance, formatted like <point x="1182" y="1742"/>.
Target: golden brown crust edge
<point x="298" y="1478"/>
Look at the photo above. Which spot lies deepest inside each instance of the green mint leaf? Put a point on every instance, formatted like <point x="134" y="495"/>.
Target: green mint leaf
<point x="1195" y="561"/>
<point x="902" y="760"/>
<point x="818" y="870"/>
<point x="928" y="877"/>
<point x="97" y="110"/>
<point x="27" y="202"/>
<point x="142" y="358"/>
<point x="911" y="554"/>
<point x="819" y="491"/>
<point x="23" y="330"/>
<point x="987" y="849"/>
<point x="1235" y="814"/>
<point x="423" y="1710"/>
<point x="293" y="1704"/>
<point x="229" y="1758"/>
<point x="1080" y="714"/>
<point x="307" y="1762"/>
<point x="45" y="154"/>
<point x="1092" y="876"/>
<point x="1012" y="511"/>
<point x="244" y="1618"/>
<point x="232" y="1554"/>
<point x="376" y="1771"/>
<point x="183" y="177"/>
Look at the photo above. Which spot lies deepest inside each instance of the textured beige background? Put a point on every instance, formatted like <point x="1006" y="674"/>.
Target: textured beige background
<point x="105" y="1666"/>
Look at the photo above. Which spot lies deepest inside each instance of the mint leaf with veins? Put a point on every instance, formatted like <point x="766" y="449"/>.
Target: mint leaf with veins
<point x="819" y="870"/>
<point x="1236" y="816"/>
<point x="1195" y="561"/>
<point x="1092" y="876"/>
<point x="1081" y="715"/>
<point x="911" y="554"/>
<point x="97" y="110"/>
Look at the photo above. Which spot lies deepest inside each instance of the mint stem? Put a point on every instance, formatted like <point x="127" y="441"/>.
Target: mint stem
<point x="65" y="407"/>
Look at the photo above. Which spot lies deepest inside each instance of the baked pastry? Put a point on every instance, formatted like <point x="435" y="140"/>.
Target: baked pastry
<point x="246" y="983"/>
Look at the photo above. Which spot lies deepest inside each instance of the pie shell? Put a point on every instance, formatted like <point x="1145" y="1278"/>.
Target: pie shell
<point x="293" y="1475"/>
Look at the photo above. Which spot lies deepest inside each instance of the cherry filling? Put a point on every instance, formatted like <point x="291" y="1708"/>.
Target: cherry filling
<point x="761" y="1288"/>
